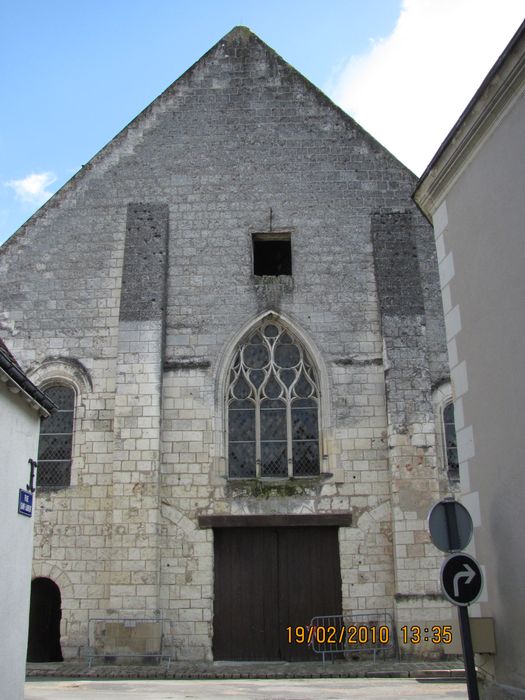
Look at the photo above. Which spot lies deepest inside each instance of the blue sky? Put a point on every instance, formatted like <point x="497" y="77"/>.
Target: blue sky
<point x="76" y="72"/>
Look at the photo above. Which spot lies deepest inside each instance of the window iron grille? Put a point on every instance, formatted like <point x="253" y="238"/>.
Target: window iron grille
<point x="451" y="445"/>
<point x="56" y="441"/>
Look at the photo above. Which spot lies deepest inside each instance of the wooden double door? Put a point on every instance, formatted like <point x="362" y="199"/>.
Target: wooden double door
<point x="268" y="579"/>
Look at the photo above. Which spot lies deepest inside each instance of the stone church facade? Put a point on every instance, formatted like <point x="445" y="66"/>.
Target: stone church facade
<point x="236" y="305"/>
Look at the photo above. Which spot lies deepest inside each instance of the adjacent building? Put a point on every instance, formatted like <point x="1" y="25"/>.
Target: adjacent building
<point x="21" y="406"/>
<point x="473" y="193"/>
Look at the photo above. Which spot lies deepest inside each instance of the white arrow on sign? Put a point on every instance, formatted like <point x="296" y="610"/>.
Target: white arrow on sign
<point x="468" y="575"/>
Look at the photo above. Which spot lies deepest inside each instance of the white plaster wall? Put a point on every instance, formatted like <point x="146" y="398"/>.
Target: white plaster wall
<point x="19" y="429"/>
<point x="480" y="224"/>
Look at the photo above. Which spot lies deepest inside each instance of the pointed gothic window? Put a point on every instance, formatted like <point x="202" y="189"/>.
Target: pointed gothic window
<point x="451" y="446"/>
<point x="56" y="441"/>
<point x="273" y="407"/>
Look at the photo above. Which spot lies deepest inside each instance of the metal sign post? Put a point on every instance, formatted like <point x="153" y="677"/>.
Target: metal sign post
<point x="468" y="653"/>
<point x="461" y="578"/>
<point x="462" y="583"/>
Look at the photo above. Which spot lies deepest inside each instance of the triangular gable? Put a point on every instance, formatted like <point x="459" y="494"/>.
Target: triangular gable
<point x="130" y="135"/>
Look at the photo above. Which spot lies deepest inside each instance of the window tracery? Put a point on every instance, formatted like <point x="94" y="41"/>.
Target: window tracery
<point x="273" y="407"/>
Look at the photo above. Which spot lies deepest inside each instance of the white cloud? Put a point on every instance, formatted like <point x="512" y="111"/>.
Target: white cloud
<point x="409" y="89"/>
<point x="33" y="188"/>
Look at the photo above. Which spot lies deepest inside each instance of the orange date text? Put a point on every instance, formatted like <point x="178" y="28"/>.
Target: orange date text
<point x="351" y="635"/>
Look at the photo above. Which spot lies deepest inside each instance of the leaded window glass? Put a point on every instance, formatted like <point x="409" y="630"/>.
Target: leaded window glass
<point x="451" y="446"/>
<point x="56" y="441"/>
<point x="273" y="407"/>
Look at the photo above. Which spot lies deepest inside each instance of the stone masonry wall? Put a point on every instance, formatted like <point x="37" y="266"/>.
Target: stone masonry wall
<point x="417" y="478"/>
<point x="240" y="144"/>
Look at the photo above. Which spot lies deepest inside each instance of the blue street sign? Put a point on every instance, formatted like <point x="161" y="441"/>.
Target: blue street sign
<point x="25" y="503"/>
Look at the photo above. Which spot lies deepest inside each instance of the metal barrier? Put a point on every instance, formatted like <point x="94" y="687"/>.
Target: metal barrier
<point x="144" y="639"/>
<point x="353" y="634"/>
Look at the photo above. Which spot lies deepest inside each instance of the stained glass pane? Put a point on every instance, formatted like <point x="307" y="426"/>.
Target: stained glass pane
<point x="272" y="388"/>
<point x="241" y="388"/>
<point x="452" y="457"/>
<point x="304" y="424"/>
<point x="287" y="355"/>
<point x="55" y="446"/>
<point x="304" y="403"/>
<point x="241" y="459"/>
<point x="305" y="458"/>
<point x="287" y="376"/>
<point x="255" y="356"/>
<point x="242" y="403"/>
<point x="448" y="414"/>
<point x="257" y="377"/>
<point x="271" y="331"/>
<point x="58" y="422"/>
<point x="450" y="437"/>
<point x="303" y="388"/>
<point x="273" y="459"/>
<point x="53" y="474"/>
<point x="273" y="423"/>
<point x="63" y="396"/>
<point x="272" y="403"/>
<point x="56" y="440"/>
<point x="241" y="424"/>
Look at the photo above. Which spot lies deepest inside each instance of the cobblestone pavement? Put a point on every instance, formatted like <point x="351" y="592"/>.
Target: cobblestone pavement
<point x="445" y="670"/>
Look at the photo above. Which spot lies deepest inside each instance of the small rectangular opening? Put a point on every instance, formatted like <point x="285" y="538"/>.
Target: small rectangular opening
<point x="272" y="254"/>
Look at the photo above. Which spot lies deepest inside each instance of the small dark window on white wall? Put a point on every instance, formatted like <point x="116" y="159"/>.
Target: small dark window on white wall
<point x="272" y="254"/>
<point x="451" y="446"/>
<point x="56" y="441"/>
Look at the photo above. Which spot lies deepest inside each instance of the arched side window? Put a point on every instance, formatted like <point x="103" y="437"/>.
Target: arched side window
<point x="273" y="407"/>
<point x="56" y="440"/>
<point x="451" y="446"/>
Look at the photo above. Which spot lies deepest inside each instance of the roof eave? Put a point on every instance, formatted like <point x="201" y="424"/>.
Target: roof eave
<point x="496" y="94"/>
<point x="18" y="383"/>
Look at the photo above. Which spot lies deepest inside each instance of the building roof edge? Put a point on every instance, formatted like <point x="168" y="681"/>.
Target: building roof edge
<point x="474" y="121"/>
<point x="20" y="382"/>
